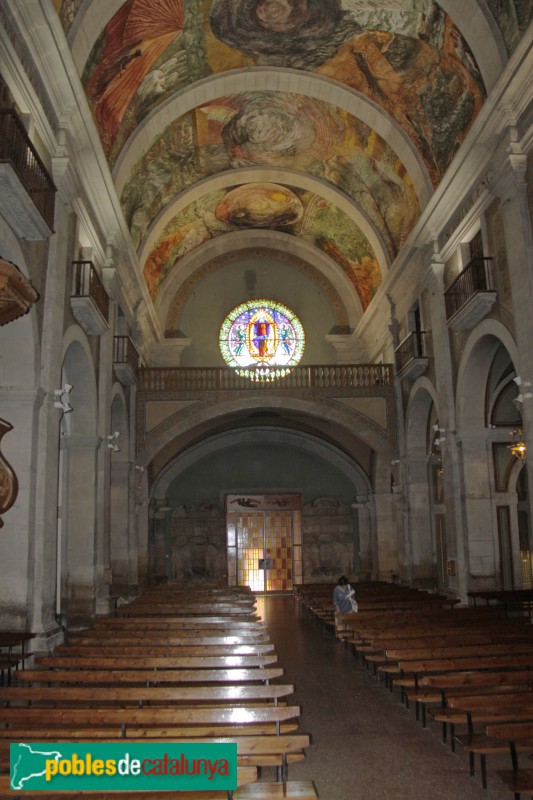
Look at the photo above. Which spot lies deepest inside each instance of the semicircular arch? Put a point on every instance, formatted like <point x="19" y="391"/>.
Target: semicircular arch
<point x="474" y="370"/>
<point x="296" y="254"/>
<point x="260" y="174"/>
<point x="422" y="397"/>
<point x="297" y="440"/>
<point x="280" y="80"/>
<point x="186" y="426"/>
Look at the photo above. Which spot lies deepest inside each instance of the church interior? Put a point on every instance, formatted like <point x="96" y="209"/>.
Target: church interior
<point x="265" y="296"/>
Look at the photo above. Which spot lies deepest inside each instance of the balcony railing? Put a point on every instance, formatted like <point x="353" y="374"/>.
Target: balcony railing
<point x="474" y="278"/>
<point x="17" y="149"/>
<point x="409" y="349"/>
<point x="86" y="283"/>
<point x="125" y="360"/>
<point x="356" y="376"/>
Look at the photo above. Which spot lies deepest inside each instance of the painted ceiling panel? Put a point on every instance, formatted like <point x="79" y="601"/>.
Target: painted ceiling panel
<point x="288" y="209"/>
<point x="407" y="58"/>
<point x="277" y="130"/>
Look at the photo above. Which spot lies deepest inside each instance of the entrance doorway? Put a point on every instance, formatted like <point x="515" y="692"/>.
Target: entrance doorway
<point x="264" y="541"/>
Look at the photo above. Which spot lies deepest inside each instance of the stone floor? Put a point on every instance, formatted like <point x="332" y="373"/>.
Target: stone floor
<point x="365" y="744"/>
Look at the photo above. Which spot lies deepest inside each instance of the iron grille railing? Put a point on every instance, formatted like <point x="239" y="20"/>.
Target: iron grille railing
<point x="355" y="376"/>
<point x="411" y="348"/>
<point x="17" y="149"/>
<point x="125" y="353"/>
<point x="474" y="278"/>
<point x="86" y="282"/>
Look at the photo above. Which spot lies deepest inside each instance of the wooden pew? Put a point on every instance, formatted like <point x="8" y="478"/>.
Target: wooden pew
<point x="434" y="689"/>
<point x="293" y="790"/>
<point x="270" y="725"/>
<point x="153" y="649"/>
<point x="233" y="694"/>
<point x="256" y="751"/>
<point x="156" y="662"/>
<point x="148" y="677"/>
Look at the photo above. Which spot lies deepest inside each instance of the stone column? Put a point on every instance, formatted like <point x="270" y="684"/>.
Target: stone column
<point x="81" y="581"/>
<point x="43" y="532"/>
<point x="512" y="189"/>
<point x="456" y="540"/>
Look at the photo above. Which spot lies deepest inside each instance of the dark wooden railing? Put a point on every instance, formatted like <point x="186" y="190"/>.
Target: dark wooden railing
<point x="410" y="348"/>
<point x="86" y="282"/>
<point x="474" y="278"/>
<point x="124" y="352"/>
<point x="349" y="376"/>
<point x="17" y="149"/>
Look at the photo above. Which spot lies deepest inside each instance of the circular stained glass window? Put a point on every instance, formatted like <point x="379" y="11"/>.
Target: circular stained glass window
<point x="262" y="340"/>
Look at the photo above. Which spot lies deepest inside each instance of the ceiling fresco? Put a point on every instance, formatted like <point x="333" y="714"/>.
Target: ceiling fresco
<point x="278" y="130"/>
<point x="406" y="61"/>
<point x="284" y="208"/>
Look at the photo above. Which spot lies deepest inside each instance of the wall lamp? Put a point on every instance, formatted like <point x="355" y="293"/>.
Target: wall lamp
<point x="518" y="447"/>
<point x="440" y="435"/>
<point x="525" y="391"/>
<point x="62" y="398"/>
<point x="112" y="441"/>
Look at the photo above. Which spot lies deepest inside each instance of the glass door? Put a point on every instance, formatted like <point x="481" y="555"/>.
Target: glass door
<point x="264" y="548"/>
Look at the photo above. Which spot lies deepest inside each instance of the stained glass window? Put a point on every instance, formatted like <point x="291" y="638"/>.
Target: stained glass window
<point x="262" y="340"/>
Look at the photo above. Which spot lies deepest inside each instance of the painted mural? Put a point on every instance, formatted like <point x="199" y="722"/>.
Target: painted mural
<point x="276" y="130"/>
<point x="284" y="208"/>
<point x="403" y="54"/>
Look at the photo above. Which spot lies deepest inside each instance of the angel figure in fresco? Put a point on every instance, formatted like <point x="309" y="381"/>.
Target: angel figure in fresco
<point x="134" y="39"/>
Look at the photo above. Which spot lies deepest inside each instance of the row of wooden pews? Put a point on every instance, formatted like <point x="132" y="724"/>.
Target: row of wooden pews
<point x="470" y="669"/>
<point x="168" y="667"/>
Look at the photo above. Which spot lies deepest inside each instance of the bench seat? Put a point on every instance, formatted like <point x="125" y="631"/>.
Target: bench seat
<point x="158" y="662"/>
<point x="148" y="677"/>
<point x="141" y="695"/>
<point x="263" y="790"/>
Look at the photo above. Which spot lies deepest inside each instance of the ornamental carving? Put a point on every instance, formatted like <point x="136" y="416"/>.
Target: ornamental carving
<point x="8" y="479"/>
<point x="17" y="295"/>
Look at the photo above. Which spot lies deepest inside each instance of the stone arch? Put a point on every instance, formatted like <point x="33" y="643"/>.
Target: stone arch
<point x="269" y="175"/>
<point x="282" y="80"/>
<point x="354" y="532"/>
<point x="200" y="416"/>
<point x="491" y="545"/>
<point x="298" y="440"/>
<point x="217" y="253"/>
<point x="421" y="555"/>
<point x="474" y="368"/>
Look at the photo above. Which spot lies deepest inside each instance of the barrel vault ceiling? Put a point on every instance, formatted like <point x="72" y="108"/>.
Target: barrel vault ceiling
<point x="309" y="134"/>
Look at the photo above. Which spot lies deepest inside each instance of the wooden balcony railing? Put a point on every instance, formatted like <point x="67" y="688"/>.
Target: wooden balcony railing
<point x="347" y="376"/>
<point x="17" y="149"/>
<point x="86" y="282"/>
<point x="412" y="347"/>
<point x="474" y="278"/>
<point x="125" y="357"/>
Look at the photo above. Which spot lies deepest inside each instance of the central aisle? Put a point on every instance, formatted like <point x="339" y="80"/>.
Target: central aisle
<point x="365" y="744"/>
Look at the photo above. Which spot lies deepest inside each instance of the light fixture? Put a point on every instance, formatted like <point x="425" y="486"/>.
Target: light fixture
<point x="518" y="447"/>
<point x="525" y="390"/>
<point x="440" y="437"/>
<point x="112" y="441"/>
<point x="62" y="402"/>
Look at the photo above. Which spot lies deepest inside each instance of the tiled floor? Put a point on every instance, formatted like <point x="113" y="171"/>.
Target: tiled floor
<point x="365" y="744"/>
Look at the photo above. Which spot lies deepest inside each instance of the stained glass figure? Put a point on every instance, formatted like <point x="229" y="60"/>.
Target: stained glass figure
<point x="262" y="340"/>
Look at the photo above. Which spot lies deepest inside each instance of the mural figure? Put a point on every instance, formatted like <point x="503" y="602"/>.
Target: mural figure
<point x="133" y="40"/>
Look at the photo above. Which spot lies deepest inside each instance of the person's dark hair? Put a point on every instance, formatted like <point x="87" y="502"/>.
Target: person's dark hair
<point x="343" y="580"/>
